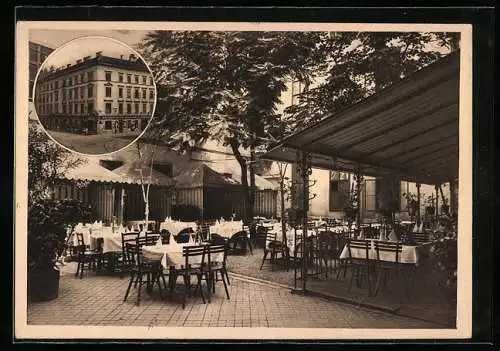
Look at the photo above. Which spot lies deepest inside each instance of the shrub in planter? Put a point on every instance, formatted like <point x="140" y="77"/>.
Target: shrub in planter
<point x="48" y="221"/>
<point x="444" y="250"/>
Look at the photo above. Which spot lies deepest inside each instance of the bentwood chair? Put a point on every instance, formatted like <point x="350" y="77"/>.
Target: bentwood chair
<point x="194" y="263"/>
<point x="274" y="248"/>
<point x="216" y="266"/>
<point x="389" y="262"/>
<point x="86" y="258"/>
<point x="143" y="268"/>
<point x="360" y="265"/>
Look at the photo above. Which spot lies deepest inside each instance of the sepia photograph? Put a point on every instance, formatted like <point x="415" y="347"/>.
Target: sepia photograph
<point x="215" y="180"/>
<point x="93" y="95"/>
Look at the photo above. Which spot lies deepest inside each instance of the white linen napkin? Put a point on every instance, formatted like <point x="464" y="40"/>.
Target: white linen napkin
<point x="415" y="228"/>
<point x="361" y="234"/>
<point x="392" y="236"/>
<point x="159" y="242"/>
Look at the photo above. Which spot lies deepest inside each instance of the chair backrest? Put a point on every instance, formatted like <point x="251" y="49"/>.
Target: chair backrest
<point x="190" y="252"/>
<point x="217" y="254"/>
<point x="147" y="240"/>
<point x="360" y="245"/>
<point x="204" y="231"/>
<point x="79" y="239"/>
<point x="390" y="248"/>
<point x="129" y="238"/>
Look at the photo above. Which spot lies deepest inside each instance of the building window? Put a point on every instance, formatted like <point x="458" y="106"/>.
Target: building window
<point x="107" y="125"/>
<point x="76" y="108"/>
<point x="120" y="108"/>
<point x="136" y="93"/>
<point x="70" y="92"/>
<point x="82" y="78"/>
<point x="108" y="76"/>
<point x="150" y="108"/>
<point x="136" y="106"/>
<point x="144" y="93"/>
<point x="144" y="80"/>
<point x="129" y="108"/>
<point x="57" y="84"/>
<point x="136" y="79"/>
<point x="150" y="80"/>
<point x="90" y="107"/>
<point x="81" y="108"/>
<point x="370" y="195"/>
<point x="76" y="93"/>
<point x="120" y="92"/>
<point x="143" y="108"/>
<point x="90" y="91"/>
<point x="82" y="94"/>
<point x="108" y="107"/>
<point x="56" y="96"/>
<point x="129" y="93"/>
<point x="108" y="91"/>
<point x="129" y="78"/>
<point x="339" y="191"/>
<point x="90" y="76"/>
<point x="120" y="77"/>
<point x="151" y="94"/>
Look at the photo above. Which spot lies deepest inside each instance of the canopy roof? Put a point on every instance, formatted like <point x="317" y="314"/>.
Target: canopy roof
<point x="202" y="174"/>
<point x="130" y="173"/>
<point x="409" y="130"/>
<point x="91" y="171"/>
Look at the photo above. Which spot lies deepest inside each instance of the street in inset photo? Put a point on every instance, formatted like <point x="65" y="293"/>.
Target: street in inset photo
<point x="94" y="95"/>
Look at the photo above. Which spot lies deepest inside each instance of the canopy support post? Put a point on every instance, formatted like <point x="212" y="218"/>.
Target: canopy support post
<point x="436" y="187"/>
<point x="418" y="203"/>
<point x="305" y="172"/>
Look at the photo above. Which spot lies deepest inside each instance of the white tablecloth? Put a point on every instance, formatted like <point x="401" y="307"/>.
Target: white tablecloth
<point x="409" y="254"/>
<point x="226" y="229"/>
<point x="171" y="254"/>
<point x="174" y="227"/>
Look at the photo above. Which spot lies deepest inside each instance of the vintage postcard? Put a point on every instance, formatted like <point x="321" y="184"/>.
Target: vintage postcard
<point x="243" y="181"/>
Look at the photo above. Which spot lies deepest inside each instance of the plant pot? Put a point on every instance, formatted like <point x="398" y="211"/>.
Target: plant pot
<point x="43" y="284"/>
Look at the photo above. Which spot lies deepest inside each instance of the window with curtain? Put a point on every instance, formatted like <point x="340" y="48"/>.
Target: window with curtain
<point x="339" y="191"/>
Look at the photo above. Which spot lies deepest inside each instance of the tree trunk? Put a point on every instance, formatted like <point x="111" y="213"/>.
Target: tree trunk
<point x="282" y="199"/>
<point x="252" y="182"/>
<point x="248" y="208"/>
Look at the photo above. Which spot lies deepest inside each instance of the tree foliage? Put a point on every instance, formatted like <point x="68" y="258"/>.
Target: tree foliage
<point x="358" y="64"/>
<point x="47" y="164"/>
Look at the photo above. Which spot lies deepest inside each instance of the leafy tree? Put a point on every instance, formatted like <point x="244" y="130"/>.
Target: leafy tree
<point x="226" y="86"/>
<point x="358" y="64"/>
<point x="47" y="164"/>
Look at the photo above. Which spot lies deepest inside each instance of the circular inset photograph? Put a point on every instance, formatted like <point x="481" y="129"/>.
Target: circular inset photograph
<point x="94" y="95"/>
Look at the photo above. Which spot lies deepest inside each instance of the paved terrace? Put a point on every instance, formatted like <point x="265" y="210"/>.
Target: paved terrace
<point x="98" y="301"/>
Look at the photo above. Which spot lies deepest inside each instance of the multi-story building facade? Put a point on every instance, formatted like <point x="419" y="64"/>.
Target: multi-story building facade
<point x="101" y="94"/>
<point x="37" y="55"/>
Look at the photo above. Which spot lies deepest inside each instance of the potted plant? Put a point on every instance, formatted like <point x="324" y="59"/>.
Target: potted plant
<point x="430" y="208"/>
<point x="48" y="222"/>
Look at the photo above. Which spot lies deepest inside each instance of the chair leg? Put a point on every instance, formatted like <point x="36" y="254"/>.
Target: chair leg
<point x="199" y="285"/>
<point x="186" y="287"/>
<point x="132" y="276"/>
<point x="138" y="301"/>
<point x="225" y="285"/>
<point x="263" y="259"/>
<point x="350" y="281"/>
<point x="159" y="285"/>
<point x="207" y="279"/>
<point x="227" y="276"/>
